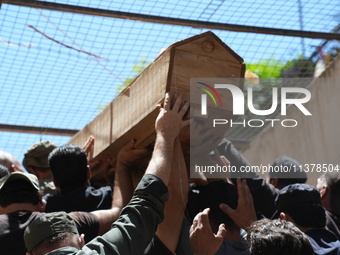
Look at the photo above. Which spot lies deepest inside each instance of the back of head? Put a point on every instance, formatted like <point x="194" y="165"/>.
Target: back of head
<point x="303" y="204"/>
<point x="212" y="195"/>
<point x="288" y="171"/>
<point x="37" y="155"/>
<point x="279" y="237"/>
<point x="19" y="187"/>
<point x="69" y="166"/>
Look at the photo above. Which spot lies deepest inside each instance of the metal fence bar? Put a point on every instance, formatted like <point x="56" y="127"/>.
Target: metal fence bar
<point x="172" y="21"/>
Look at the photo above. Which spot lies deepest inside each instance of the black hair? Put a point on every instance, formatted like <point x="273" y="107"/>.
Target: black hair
<point x="69" y="167"/>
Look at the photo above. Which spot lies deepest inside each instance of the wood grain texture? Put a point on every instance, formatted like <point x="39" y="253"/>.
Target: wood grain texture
<point x="133" y="112"/>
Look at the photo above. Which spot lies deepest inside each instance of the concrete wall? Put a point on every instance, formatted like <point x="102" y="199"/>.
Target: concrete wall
<point x="316" y="139"/>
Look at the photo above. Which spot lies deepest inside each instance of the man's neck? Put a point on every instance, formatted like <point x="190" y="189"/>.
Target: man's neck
<point x="19" y="207"/>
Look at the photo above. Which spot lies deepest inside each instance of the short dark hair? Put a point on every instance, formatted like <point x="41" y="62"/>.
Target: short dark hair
<point x="69" y="166"/>
<point x="279" y="237"/>
<point x="19" y="191"/>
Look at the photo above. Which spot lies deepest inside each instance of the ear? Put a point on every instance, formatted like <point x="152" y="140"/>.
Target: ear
<point x="42" y="204"/>
<point x="81" y="241"/>
<point x="283" y="216"/>
<point x="324" y="192"/>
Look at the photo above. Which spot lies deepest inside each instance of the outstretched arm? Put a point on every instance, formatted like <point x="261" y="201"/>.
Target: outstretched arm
<point x="168" y="125"/>
<point x="137" y="223"/>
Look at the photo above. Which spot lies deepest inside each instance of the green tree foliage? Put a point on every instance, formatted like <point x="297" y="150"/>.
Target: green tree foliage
<point x="136" y="70"/>
<point x="267" y="68"/>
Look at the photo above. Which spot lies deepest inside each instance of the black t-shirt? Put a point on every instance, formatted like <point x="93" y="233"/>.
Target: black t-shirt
<point x="85" y="199"/>
<point x="12" y="227"/>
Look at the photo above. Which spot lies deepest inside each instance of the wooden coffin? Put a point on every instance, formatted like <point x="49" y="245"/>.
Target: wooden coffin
<point x="133" y="112"/>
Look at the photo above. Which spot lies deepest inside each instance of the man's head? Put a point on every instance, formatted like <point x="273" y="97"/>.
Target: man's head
<point x="52" y="231"/>
<point x="69" y="167"/>
<point x="36" y="157"/>
<point x="329" y="186"/>
<point x="10" y="161"/>
<point x="20" y="188"/>
<point x="301" y="204"/>
<point x="286" y="171"/>
<point x="279" y="237"/>
<point x="214" y="194"/>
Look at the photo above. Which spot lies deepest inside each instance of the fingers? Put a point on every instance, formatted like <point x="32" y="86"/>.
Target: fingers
<point x="240" y="188"/>
<point x="221" y="232"/>
<point x="184" y="109"/>
<point x="227" y="210"/>
<point x="204" y="216"/>
<point x="178" y="103"/>
<point x="225" y="161"/>
<point x="247" y="192"/>
<point x="244" y="191"/>
<point x="167" y="102"/>
<point x="130" y="145"/>
<point x="201" y="220"/>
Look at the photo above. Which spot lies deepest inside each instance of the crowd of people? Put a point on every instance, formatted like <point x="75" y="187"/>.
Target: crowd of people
<point x="50" y="207"/>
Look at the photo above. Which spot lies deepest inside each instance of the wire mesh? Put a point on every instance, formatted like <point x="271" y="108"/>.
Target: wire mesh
<point x="59" y="69"/>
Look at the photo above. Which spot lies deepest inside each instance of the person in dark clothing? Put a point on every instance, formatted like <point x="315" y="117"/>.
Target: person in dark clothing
<point x="21" y="203"/>
<point x="329" y="186"/>
<point x="301" y="204"/>
<point x="71" y="175"/>
<point x="137" y="223"/>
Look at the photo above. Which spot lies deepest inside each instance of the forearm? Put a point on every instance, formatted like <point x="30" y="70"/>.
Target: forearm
<point x="122" y="193"/>
<point x="160" y="164"/>
<point x="123" y="186"/>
